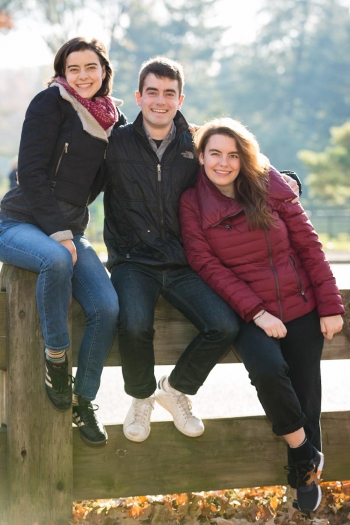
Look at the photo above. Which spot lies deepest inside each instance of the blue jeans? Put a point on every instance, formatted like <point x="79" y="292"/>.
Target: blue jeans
<point x="287" y="376"/>
<point x="138" y="287"/>
<point x="28" y="247"/>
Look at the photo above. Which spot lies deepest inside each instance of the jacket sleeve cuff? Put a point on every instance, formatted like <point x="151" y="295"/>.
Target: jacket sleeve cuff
<point x="65" y="235"/>
<point x="253" y="313"/>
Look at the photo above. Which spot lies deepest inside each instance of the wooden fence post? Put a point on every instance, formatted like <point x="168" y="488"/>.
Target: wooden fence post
<point x="39" y="438"/>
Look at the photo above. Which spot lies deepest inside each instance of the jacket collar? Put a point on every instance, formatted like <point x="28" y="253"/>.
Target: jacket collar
<point x="89" y="123"/>
<point x="179" y="121"/>
<point x="214" y="207"/>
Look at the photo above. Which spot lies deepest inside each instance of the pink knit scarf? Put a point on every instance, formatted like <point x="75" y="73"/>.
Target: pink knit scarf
<point x="101" y="108"/>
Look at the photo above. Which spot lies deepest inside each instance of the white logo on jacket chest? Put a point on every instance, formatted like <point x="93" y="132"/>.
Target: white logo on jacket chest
<point x="187" y="154"/>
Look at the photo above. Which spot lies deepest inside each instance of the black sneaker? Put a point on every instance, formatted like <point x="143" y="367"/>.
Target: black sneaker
<point x="309" y="492"/>
<point x="58" y="384"/>
<point x="92" y="431"/>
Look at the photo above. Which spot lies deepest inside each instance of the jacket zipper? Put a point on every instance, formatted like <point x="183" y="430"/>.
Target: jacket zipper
<point x="302" y="293"/>
<point x="160" y="202"/>
<point x="65" y="150"/>
<point x="227" y="226"/>
<point x="274" y="274"/>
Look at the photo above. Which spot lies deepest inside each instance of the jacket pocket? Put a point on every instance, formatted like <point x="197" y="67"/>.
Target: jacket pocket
<point x="63" y="152"/>
<point x="300" y="286"/>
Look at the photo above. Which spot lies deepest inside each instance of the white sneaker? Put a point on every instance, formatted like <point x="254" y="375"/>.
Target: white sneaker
<point x="180" y="408"/>
<point x="137" y="425"/>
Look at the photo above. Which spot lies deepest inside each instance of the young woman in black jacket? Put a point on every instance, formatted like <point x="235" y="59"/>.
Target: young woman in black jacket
<point x="42" y="221"/>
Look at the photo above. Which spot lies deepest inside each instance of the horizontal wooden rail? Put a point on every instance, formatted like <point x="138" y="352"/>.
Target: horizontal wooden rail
<point x="234" y="452"/>
<point x="173" y="333"/>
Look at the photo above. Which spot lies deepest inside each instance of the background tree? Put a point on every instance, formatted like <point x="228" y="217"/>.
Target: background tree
<point x="178" y="32"/>
<point x="292" y="84"/>
<point x="329" y="180"/>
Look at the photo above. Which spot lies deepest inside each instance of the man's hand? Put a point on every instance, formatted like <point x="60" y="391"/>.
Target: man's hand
<point x="331" y="325"/>
<point x="69" y="244"/>
<point x="272" y="326"/>
<point x="292" y="184"/>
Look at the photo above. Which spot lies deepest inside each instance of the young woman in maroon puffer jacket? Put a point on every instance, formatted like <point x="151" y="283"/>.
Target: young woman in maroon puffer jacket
<point x="256" y="248"/>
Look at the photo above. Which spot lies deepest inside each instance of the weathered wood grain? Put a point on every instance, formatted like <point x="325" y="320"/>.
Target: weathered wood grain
<point x="173" y="333"/>
<point x="3" y="397"/>
<point x="36" y="452"/>
<point x="232" y="453"/>
<point x="39" y="438"/>
<point x="3" y="472"/>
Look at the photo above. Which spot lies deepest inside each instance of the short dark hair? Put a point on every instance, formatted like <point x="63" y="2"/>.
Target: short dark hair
<point x="80" y="43"/>
<point x="162" y="67"/>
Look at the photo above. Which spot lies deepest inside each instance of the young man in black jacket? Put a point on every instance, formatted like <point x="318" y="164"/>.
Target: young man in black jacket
<point x="150" y="164"/>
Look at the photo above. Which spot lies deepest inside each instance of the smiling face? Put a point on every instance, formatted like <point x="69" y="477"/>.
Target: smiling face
<point x="84" y="72"/>
<point x="159" y="101"/>
<point x="221" y="162"/>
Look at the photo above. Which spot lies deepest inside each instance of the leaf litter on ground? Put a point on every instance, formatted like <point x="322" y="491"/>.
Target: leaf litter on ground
<point x="259" y="505"/>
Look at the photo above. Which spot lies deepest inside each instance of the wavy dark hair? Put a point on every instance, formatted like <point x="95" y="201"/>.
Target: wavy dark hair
<point x="80" y="43"/>
<point x="162" y="67"/>
<point x="251" y="185"/>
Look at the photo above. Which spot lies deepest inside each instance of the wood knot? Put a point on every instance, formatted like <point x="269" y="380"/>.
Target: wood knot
<point x="60" y="486"/>
<point x="22" y="314"/>
<point x="23" y="453"/>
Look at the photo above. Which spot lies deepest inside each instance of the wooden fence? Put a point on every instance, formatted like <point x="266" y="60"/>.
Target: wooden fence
<point x="44" y="465"/>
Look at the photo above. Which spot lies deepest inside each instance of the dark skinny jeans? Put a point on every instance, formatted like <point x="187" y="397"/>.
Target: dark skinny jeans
<point x="138" y="287"/>
<point x="287" y="377"/>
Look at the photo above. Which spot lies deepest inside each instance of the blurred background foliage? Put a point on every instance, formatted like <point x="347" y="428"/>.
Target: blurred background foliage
<point x="290" y="85"/>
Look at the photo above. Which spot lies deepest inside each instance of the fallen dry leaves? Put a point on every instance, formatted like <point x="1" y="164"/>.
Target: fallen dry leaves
<point x="261" y="505"/>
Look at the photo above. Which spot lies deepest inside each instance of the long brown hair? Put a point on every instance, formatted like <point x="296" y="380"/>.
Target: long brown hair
<point x="251" y="185"/>
<point x="80" y="43"/>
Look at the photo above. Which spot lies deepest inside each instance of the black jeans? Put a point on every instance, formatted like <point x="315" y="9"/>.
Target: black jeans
<point x="287" y="376"/>
<point x="138" y="287"/>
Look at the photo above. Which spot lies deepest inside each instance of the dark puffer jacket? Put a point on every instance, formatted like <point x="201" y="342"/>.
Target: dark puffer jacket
<point x="58" y="160"/>
<point x="141" y="203"/>
<point x="282" y="269"/>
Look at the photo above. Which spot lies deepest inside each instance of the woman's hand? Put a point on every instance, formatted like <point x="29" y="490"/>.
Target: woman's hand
<point x="69" y="244"/>
<point x="272" y="326"/>
<point x="331" y="325"/>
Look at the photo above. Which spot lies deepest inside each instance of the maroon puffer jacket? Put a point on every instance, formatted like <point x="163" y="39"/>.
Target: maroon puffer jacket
<point x="282" y="270"/>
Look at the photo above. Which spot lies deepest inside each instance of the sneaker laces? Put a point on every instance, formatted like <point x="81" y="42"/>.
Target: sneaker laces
<point x="59" y="380"/>
<point x="302" y="471"/>
<point x="185" y="405"/>
<point x="88" y="413"/>
<point x="141" y="409"/>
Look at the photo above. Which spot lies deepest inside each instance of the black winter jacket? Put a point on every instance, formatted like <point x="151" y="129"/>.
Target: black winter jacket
<point x="141" y="201"/>
<point x="58" y="160"/>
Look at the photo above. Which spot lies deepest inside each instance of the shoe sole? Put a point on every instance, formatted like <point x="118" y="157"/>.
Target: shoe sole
<point x="176" y="426"/>
<point x="319" y="499"/>
<point x="319" y="469"/>
<point x="200" y="433"/>
<point x="90" y="443"/>
<point x="93" y="443"/>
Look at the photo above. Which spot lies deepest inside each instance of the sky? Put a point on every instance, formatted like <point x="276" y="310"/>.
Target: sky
<point x="23" y="46"/>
